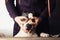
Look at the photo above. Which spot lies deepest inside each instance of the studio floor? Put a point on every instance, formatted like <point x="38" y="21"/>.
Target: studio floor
<point x="36" y="38"/>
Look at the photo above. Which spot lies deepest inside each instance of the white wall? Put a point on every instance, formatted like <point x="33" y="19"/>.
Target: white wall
<point x="6" y="22"/>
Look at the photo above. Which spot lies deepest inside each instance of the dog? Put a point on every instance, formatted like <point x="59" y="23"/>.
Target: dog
<point x="28" y="26"/>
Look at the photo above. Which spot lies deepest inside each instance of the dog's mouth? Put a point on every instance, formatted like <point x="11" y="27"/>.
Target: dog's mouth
<point x="28" y="29"/>
<point x="29" y="26"/>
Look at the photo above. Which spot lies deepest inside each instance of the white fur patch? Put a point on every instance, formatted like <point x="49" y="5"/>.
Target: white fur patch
<point x="30" y="15"/>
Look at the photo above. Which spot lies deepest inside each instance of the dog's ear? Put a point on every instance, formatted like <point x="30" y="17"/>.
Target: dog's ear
<point x="20" y="20"/>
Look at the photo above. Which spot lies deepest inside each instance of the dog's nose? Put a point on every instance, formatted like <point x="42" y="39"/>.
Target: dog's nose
<point x="29" y="26"/>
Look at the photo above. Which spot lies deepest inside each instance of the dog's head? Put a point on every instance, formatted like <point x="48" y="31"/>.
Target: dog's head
<point x="29" y="23"/>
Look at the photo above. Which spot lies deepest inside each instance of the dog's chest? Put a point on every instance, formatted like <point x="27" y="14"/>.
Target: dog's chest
<point x="22" y="34"/>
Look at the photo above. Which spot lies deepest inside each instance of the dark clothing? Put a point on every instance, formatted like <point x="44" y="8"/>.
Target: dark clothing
<point x="37" y="7"/>
<point x="54" y="20"/>
<point x="34" y="6"/>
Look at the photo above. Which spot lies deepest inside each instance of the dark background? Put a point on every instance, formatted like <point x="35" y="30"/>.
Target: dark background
<point x="54" y="19"/>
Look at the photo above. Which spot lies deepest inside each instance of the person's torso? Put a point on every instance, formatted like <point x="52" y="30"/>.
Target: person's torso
<point x="34" y="6"/>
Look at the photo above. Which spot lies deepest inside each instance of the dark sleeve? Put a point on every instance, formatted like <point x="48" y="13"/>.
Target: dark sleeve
<point x="54" y="21"/>
<point x="44" y="13"/>
<point x="11" y="8"/>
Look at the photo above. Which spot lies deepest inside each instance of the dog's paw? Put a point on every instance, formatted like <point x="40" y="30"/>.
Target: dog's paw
<point x="55" y="35"/>
<point x="44" y="35"/>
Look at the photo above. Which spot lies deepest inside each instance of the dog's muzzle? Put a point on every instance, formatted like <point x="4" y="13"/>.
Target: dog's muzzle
<point x="29" y="26"/>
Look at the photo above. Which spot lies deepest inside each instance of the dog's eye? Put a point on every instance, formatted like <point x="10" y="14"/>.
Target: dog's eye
<point x="33" y="20"/>
<point x="23" y="19"/>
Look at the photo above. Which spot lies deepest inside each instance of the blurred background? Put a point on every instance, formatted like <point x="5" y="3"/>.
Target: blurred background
<point x="6" y="22"/>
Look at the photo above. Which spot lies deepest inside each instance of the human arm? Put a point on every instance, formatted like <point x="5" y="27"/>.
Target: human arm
<point x="11" y="8"/>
